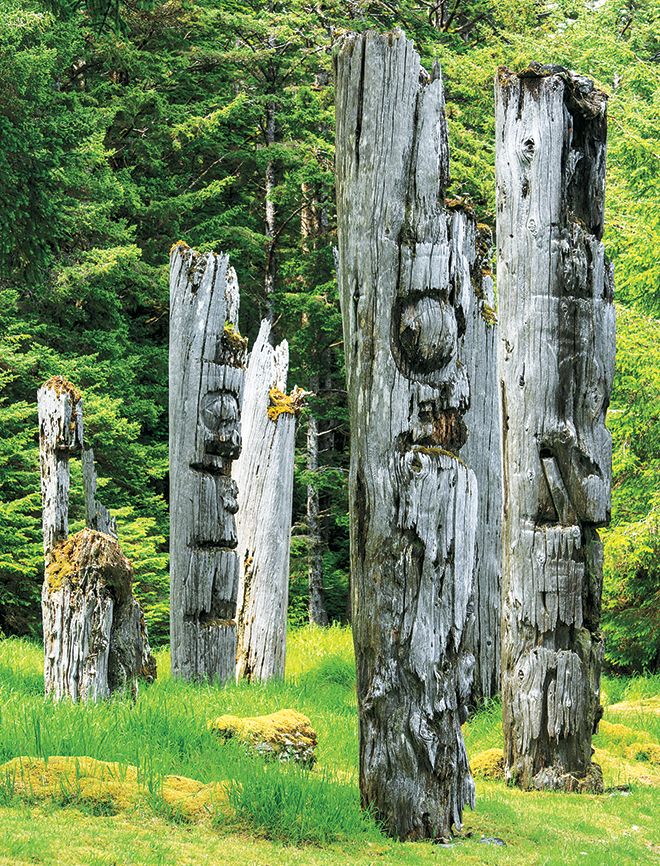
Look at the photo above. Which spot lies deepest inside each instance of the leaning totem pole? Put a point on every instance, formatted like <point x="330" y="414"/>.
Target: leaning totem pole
<point x="405" y="261"/>
<point x="556" y="362"/>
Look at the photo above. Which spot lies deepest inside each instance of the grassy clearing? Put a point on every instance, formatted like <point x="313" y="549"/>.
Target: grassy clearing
<point x="287" y="815"/>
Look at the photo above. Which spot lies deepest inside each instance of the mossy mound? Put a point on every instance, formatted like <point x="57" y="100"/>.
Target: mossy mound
<point x="644" y="750"/>
<point x="286" y="735"/>
<point x="640" y="707"/>
<point x="488" y="764"/>
<point x="90" y="552"/>
<point x="617" y="770"/>
<point x="110" y="788"/>
<point x="619" y="733"/>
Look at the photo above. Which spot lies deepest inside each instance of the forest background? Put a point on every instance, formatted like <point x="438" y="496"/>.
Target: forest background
<point x="126" y="126"/>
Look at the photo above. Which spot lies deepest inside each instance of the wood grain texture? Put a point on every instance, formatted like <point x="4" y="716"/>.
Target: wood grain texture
<point x="95" y="637"/>
<point x="207" y="360"/>
<point x="482" y="453"/>
<point x="405" y="261"/>
<point x="556" y="362"/>
<point x="264" y="477"/>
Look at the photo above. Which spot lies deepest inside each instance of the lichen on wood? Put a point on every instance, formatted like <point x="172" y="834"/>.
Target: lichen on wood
<point x="283" y="403"/>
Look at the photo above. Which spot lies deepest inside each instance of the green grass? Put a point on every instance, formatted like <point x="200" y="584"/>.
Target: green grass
<point x="285" y="814"/>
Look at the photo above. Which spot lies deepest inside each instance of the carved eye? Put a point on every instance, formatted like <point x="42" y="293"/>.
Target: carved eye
<point x="219" y="408"/>
<point x="428" y="333"/>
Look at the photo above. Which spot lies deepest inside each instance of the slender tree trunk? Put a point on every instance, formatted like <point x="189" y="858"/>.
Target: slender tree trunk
<point x="556" y="366"/>
<point x="95" y="638"/>
<point x="316" y="608"/>
<point x="264" y="476"/>
<point x="207" y="361"/>
<point x="482" y="454"/>
<point x="404" y="275"/>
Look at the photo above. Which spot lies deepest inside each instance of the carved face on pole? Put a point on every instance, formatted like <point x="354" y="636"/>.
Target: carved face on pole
<point x="220" y="416"/>
<point x="426" y="327"/>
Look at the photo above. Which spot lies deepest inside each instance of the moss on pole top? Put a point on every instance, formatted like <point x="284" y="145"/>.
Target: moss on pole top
<point x="90" y="555"/>
<point x="62" y="386"/>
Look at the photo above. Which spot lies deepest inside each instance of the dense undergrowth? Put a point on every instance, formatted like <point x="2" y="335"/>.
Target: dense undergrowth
<point x="164" y="733"/>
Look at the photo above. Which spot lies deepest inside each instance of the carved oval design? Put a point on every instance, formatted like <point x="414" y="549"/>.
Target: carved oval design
<point x="219" y="408"/>
<point x="427" y="331"/>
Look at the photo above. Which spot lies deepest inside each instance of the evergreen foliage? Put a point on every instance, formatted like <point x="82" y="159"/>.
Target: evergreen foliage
<point x="127" y="125"/>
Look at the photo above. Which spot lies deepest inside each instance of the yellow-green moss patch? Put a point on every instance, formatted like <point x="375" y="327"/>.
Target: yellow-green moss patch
<point x="641" y="707"/>
<point x="488" y="314"/>
<point x="110" y="787"/>
<point x="234" y="338"/>
<point x="644" y="750"/>
<point x="285" y="735"/>
<point x="88" y="549"/>
<point x="181" y="246"/>
<point x="488" y="764"/>
<point x="618" y="770"/>
<point x="281" y="403"/>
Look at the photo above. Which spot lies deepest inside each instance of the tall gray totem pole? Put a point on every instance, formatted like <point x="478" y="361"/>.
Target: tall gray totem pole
<point x="207" y="361"/>
<point x="405" y="276"/>
<point x="556" y="363"/>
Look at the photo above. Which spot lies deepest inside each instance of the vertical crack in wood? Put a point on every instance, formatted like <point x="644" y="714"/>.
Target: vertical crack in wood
<point x="556" y="363"/>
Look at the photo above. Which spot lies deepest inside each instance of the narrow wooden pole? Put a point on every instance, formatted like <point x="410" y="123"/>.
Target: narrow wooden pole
<point x="404" y="273"/>
<point x="317" y="612"/>
<point x="556" y="365"/>
<point x="207" y="360"/>
<point x="96" y="514"/>
<point x="60" y="435"/>
<point x="482" y="454"/>
<point x="264" y="476"/>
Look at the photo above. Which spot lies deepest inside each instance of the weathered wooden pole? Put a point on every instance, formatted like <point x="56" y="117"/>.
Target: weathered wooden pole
<point x="59" y="405"/>
<point x="405" y="289"/>
<point x="97" y="515"/>
<point x="556" y="365"/>
<point x="95" y="638"/>
<point x="482" y="454"/>
<point x="207" y="360"/>
<point x="264" y="477"/>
